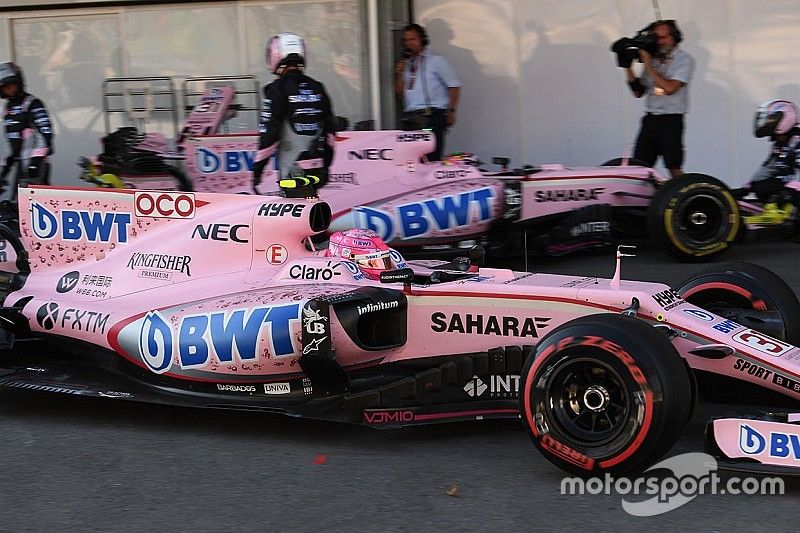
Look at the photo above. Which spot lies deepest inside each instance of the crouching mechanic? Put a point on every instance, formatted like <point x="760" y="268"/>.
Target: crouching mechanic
<point x="367" y="250"/>
<point x="299" y="105"/>
<point x="778" y="120"/>
<point x="28" y="131"/>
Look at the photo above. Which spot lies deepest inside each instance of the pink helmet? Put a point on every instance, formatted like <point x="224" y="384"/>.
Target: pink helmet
<point x="285" y="49"/>
<point x="775" y="117"/>
<point x="365" y="248"/>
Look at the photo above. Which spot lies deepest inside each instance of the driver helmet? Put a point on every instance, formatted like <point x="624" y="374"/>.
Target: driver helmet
<point x="11" y="73"/>
<point x="462" y="158"/>
<point x="363" y="247"/>
<point x="775" y="117"/>
<point x="285" y="49"/>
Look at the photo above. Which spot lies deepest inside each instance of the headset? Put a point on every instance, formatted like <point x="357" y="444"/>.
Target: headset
<point x="677" y="36"/>
<point x="423" y="35"/>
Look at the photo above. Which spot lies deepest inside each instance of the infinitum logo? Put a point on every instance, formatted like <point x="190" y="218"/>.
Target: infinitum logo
<point x="475" y="387"/>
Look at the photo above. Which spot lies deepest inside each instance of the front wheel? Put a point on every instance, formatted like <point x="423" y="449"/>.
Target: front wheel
<point x="693" y="217"/>
<point x="604" y="393"/>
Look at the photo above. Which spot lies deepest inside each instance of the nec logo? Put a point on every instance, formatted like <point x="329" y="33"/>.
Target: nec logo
<point x="371" y="154"/>
<point x="222" y="232"/>
<point x="164" y="205"/>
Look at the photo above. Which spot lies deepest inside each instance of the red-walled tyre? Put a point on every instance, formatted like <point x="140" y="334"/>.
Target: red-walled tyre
<point x="605" y="393"/>
<point x="729" y="289"/>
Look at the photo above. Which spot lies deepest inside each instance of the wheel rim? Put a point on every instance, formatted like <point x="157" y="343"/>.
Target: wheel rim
<point x="701" y="219"/>
<point x="587" y="401"/>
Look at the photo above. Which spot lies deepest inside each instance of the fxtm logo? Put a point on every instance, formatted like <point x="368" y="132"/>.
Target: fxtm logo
<point x="92" y="226"/>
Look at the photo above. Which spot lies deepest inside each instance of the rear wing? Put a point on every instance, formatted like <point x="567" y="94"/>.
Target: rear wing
<point x="153" y="104"/>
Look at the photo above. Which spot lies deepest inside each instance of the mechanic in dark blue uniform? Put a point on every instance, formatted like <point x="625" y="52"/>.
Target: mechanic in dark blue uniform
<point x="297" y="123"/>
<point x="28" y="131"/>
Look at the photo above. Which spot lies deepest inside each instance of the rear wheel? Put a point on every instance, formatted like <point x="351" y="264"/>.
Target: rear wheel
<point x="605" y="393"/>
<point x="693" y="217"/>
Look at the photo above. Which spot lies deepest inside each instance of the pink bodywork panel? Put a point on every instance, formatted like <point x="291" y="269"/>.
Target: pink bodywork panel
<point x="767" y="442"/>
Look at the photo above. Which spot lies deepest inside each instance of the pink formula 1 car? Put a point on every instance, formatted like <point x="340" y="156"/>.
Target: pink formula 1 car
<point x="219" y="300"/>
<point x="378" y="181"/>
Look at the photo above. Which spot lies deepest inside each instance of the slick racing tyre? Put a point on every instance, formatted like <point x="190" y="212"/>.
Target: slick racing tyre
<point x="693" y="217"/>
<point x="604" y="393"/>
<point x="617" y="162"/>
<point x="732" y="289"/>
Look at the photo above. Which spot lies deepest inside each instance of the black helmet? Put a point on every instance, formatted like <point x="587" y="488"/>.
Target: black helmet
<point x="11" y="73"/>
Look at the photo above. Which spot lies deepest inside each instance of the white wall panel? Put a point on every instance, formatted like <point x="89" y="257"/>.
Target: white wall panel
<point x="541" y="84"/>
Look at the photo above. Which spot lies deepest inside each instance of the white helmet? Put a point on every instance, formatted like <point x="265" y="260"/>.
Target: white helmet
<point x="285" y="49"/>
<point x="775" y="117"/>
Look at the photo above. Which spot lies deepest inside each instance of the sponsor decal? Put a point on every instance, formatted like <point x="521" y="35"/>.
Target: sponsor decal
<point x="49" y="316"/>
<point x="727" y="326"/>
<point x="388" y="417"/>
<point x="176" y="263"/>
<point x="164" y="205"/>
<point x="371" y="154"/>
<point x="477" y="324"/>
<point x="354" y="270"/>
<point x="277" y="388"/>
<point x="307" y="388"/>
<point x="668" y="299"/>
<point x="569" y="195"/>
<point x="315" y="336"/>
<point x="700" y="314"/>
<point x="279" y="210"/>
<point x="115" y="394"/>
<point x="414" y="137"/>
<point x="587" y="228"/>
<point x="778" y="444"/>
<point x="450" y="174"/>
<point x="235" y="388"/>
<point x="68" y="282"/>
<point x="506" y="386"/>
<point x="277" y="254"/>
<point x="229" y="336"/>
<point x="759" y="371"/>
<point x="304" y="98"/>
<point x="308" y="272"/>
<point x="222" y="232"/>
<point x="379" y="306"/>
<point x="3" y="252"/>
<point x="417" y="219"/>
<point x="763" y="343"/>
<point x="229" y="161"/>
<point x="345" y="177"/>
<point x="579" y="282"/>
<point x="72" y="225"/>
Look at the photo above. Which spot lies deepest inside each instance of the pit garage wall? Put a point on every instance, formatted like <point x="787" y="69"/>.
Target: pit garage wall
<point x="66" y="54"/>
<point x="541" y="86"/>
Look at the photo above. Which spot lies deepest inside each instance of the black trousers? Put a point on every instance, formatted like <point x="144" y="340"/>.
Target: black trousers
<point x="660" y="135"/>
<point x="434" y="120"/>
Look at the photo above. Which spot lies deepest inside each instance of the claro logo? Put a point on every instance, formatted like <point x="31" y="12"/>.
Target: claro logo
<point x="371" y="154"/>
<point x="164" y="205"/>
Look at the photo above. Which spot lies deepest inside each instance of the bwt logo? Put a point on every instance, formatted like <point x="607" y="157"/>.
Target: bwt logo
<point x="209" y="161"/>
<point x="779" y="444"/>
<point x="229" y="337"/>
<point x="164" y="205"/>
<point x="371" y="154"/>
<point x="417" y="219"/>
<point x="91" y="226"/>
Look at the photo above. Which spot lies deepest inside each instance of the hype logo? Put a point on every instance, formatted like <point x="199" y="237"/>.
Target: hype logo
<point x="751" y="441"/>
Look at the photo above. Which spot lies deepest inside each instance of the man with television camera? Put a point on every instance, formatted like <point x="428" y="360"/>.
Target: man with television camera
<point x="664" y="83"/>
